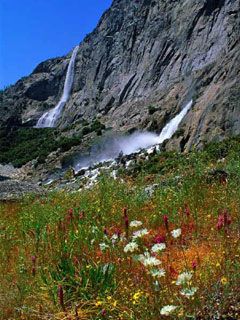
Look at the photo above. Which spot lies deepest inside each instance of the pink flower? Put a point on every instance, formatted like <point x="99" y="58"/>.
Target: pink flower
<point x="81" y="215"/>
<point x="69" y="215"/>
<point x="220" y="223"/>
<point x="118" y="232"/>
<point x="70" y="211"/>
<point x="104" y="312"/>
<point x="33" y="258"/>
<point x="224" y="219"/>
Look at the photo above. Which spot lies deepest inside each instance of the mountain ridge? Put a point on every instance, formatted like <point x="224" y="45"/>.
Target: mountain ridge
<point x="145" y="53"/>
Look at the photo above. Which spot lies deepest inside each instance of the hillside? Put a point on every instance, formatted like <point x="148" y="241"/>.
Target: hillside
<point x="159" y="242"/>
<point x="144" y="55"/>
<point x="120" y="171"/>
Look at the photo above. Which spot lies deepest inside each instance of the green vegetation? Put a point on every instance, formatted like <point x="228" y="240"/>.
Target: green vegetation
<point x="116" y="252"/>
<point x="25" y="144"/>
<point x="151" y="110"/>
<point x="96" y="126"/>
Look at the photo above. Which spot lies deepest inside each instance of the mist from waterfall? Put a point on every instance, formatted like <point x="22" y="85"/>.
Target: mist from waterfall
<point x="110" y="148"/>
<point x="50" y="118"/>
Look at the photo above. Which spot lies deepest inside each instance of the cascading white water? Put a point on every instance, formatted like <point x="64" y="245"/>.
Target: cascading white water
<point x="172" y="126"/>
<point x="49" y="118"/>
<point x="111" y="148"/>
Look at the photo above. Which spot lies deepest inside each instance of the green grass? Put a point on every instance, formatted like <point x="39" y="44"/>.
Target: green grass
<point x="75" y="242"/>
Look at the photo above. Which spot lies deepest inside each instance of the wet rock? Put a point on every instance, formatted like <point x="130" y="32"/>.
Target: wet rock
<point x="8" y="172"/>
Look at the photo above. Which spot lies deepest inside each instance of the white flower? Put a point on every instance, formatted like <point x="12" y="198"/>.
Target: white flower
<point x="114" y="238"/>
<point x="149" y="261"/>
<point x="103" y="246"/>
<point x="94" y="229"/>
<point x="176" y="233"/>
<point x="135" y="224"/>
<point x="188" y="292"/>
<point x="158" y="247"/>
<point x="183" y="278"/>
<point x="167" y="310"/>
<point x="158" y="273"/>
<point x="140" y="233"/>
<point x="131" y="247"/>
<point x="142" y="257"/>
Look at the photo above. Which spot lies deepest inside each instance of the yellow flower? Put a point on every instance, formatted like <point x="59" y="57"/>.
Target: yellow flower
<point x="109" y="298"/>
<point x="98" y="303"/>
<point x="224" y="281"/>
<point x="137" y="295"/>
<point x="217" y="264"/>
<point x="114" y="303"/>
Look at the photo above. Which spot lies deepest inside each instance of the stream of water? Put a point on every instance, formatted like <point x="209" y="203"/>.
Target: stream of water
<point x="50" y="118"/>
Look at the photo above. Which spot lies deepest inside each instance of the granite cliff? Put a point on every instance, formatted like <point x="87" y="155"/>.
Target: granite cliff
<point x="141" y="64"/>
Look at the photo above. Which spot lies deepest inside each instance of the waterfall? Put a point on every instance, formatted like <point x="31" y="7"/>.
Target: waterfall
<point x="109" y="149"/>
<point x="172" y="126"/>
<point x="49" y="118"/>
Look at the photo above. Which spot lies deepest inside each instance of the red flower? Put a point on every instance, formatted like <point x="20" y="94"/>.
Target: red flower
<point x="126" y="220"/>
<point x="69" y="217"/>
<point x="187" y="210"/>
<point x="34" y="258"/>
<point x="165" y="219"/>
<point x="105" y="231"/>
<point x="125" y="211"/>
<point x="173" y="272"/>
<point x="60" y="296"/>
<point x="159" y="239"/>
<point x="194" y="265"/>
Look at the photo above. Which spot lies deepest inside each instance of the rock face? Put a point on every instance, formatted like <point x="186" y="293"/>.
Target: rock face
<point x="13" y="189"/>
<point x="146" y="53"/>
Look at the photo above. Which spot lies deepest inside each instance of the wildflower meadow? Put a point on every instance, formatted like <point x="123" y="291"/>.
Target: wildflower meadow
<point x="117" y="252"/>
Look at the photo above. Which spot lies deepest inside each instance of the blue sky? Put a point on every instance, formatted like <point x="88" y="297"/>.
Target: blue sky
<point x="34" y="30"/>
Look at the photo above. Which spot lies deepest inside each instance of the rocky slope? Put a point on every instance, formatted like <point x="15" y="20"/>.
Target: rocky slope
<point x="145" y="53"/>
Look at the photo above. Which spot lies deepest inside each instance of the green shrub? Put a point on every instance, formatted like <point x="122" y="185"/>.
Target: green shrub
<point x="151" y="110"/>
<point x="25" y="144"/>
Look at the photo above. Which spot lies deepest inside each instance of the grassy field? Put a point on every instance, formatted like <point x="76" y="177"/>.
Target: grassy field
<point x="118" y="252"/>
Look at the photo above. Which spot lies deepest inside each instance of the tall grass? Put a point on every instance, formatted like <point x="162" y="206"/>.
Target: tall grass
<point x="67" y="255"/>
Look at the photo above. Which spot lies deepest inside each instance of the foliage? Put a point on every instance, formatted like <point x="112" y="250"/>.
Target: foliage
<point x="96" y="126"/>
<point x="118" y="252"/>
<point x="151" y="110"/>
<point x="25" y="144"/>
